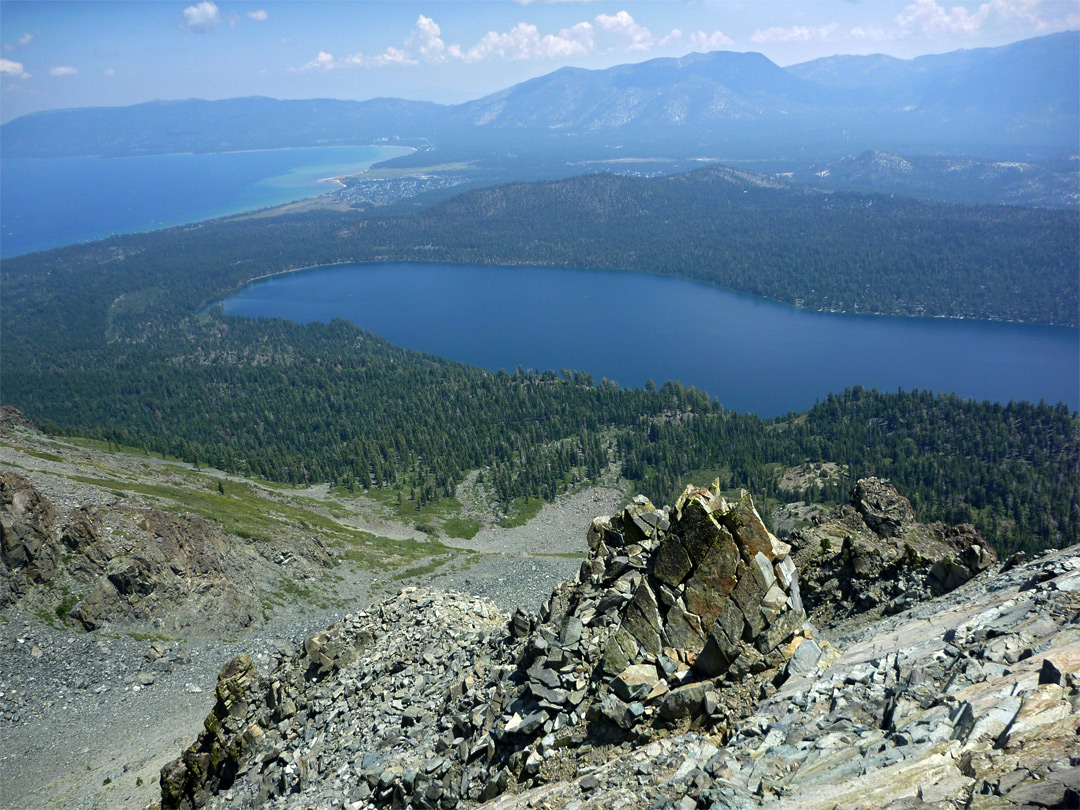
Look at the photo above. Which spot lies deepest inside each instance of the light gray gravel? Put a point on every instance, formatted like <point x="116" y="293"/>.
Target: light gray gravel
<point x="560" y="527"/>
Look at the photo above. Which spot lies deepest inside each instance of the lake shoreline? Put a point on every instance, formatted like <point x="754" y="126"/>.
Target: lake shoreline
<point x="655" y="273"/>
<point x="783" y="357"/>
<point x="224" y="152"/>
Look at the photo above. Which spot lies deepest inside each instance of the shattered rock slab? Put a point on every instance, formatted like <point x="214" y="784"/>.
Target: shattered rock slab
<point x="436" y="700"/>
<point x="438" y="710"/>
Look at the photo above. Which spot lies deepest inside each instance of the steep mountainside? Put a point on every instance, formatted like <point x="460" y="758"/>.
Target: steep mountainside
<point x="694" y="94"/>
<point x="1032" y="74"/>
<point x="676" y="671"/>
<point x="179" y="568"/>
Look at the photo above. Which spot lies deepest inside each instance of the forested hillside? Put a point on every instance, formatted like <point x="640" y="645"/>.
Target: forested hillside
<point x="835" y="251"/>
<point x="106" y="340"/>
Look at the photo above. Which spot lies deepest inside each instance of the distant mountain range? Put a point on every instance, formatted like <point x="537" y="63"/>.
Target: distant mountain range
<point x="1018" y="101"/>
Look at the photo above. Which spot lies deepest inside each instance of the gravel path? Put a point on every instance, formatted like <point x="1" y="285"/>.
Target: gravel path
<point x="560" y="527"/>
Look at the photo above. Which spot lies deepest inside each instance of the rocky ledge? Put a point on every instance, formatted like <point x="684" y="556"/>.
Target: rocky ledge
<point x="126" y="568"/>
<point x="677" y="670"/>
<point x="872" y="558"/>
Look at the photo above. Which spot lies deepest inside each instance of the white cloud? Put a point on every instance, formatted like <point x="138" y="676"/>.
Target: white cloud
<point x="1025" y="10"/>
<point x="524" y="41"/>
<point x="796" y="33"/>
<point x="934" y="20"/>
<point x="428" y="36"/>
<point x="110" y="72"/>
<point x="324" y="61"/>
<point x="63" y="70"/>
<point x="640" y="38"/>
<point x="201" y="17"/>
<point x="259" y="15"/>
<point x="674" y="38"/>
<point x="12" y="69"/>
<point x="392" y="56"/>
<point x="1038" y="14"/>
<point x="868" y="32"/>
<point x="25" y="39"/>
<point x="929" y="18"/>
<point x="699" y="40"/>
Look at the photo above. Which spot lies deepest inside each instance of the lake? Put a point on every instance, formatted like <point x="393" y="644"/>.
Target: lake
<point x="752" y="354"/>
<point x="61" y="201"/>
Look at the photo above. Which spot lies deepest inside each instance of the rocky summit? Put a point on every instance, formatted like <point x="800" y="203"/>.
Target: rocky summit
<point x="677" y="670"/>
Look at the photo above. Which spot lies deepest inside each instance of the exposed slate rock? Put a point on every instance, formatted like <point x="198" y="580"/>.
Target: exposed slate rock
<point x="178" y="568"/>
<point x="28" y="548"/>
<point x="609" y="658"/>
<point x="436" y="700"/>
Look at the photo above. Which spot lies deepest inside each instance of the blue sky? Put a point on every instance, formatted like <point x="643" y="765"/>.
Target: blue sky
<point x="68" y="54"/>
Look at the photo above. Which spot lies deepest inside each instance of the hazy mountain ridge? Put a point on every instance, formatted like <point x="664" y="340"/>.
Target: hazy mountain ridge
<point x="195" y="125"/>
<point x="698" y="89"/>
<point x="1018" y="100"/>
<point x="1046" y="184"/>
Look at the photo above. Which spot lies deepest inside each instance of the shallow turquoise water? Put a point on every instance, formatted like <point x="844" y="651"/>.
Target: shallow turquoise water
<point x="61" y="201"/>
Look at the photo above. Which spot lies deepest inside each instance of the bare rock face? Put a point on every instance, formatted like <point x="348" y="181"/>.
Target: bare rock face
<point x="884" y="510"/>
<point x="871" y="556"/>
<point x="173" y="573"/>
<point x="705" y="586"/>
<point x="142" y="568"/>
<point x="436" y="700"/>
<point x="12" y="418"/>
<point x="28" y="548"/>
<point x="210" y="763"/>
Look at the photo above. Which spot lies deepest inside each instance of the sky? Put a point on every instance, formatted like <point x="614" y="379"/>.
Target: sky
<point x="76" y="54"/>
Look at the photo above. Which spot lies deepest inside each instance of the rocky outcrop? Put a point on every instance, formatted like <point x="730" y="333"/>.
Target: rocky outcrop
<point x="436" y="700"/>
<point x="678" y="617"/>
<point x="174" y="574"/>
<point x="141" y="569"/>
<point x="967" y="701"/>
<point x="871" y="556"/>
<point x="28" y="548"/>
<point x="211" y="764"/>
<point x="12" y="419"/>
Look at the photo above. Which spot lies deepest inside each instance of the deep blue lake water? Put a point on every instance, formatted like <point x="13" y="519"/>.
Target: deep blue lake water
<point x="49" y="203"/>
<point x="752" y="354"/>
